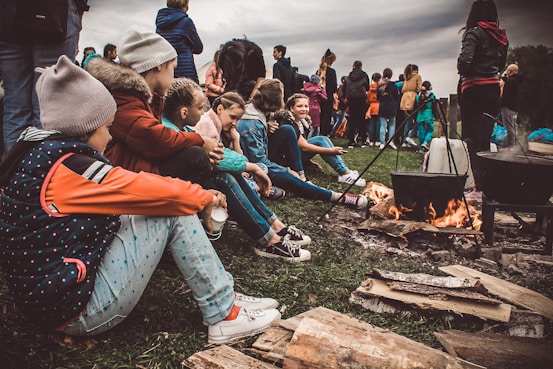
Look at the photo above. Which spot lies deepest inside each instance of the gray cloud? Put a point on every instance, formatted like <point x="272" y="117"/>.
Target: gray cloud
<point x="381" y="33"/>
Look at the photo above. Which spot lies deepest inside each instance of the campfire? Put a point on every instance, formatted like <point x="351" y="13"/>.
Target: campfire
<point x="454" y="215"/>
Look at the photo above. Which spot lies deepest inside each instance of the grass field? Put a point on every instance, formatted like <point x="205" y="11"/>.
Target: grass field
<point x="166" y="326"/>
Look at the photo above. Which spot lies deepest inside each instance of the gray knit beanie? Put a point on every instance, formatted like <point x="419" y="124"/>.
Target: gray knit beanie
<point x="71" y="101"/>
<point x="315" y="79"/>
<point x="143" y="51"/>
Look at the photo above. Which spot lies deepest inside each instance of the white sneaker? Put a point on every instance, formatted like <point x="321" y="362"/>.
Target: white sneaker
<point x="381" y="146"/>
<point x="253" y="303"/>
<point x="404" y="144"/>
<point x="410" y="141"/>
<point x="393" y="146"/>
<point x="354" y="200"/>
<point x="352" y="177"/>
<point x="247" y="323"/>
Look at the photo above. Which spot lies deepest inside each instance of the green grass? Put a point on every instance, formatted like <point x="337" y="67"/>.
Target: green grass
<point x="166" y="326"/>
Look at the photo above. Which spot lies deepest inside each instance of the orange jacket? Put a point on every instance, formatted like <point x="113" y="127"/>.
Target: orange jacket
<point x="372" y="101"/>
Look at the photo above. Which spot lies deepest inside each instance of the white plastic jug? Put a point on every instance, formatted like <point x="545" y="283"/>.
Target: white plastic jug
<point x="438" y="162"/>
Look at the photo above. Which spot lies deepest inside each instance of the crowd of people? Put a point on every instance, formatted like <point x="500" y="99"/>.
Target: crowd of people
<point x="93" y="196"/>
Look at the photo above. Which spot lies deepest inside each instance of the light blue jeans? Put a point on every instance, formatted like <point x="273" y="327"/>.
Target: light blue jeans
<point x="18" y="61"/>
<point x="387" y="124"/>
<point x="131" y="259"/>
<point x="335" y="161"/>
<point x="245" y="206"/>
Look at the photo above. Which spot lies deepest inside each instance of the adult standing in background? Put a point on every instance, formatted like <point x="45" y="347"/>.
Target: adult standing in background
<point x="282" y="70"/>
<point x="174" y="24"/>
<point x="329" y="82"/>
<point x="410" y="90"/>
<point x="510" y="102"/>
<point x="483" y="56"/>
<point x="21" y="51"/>
<point x="355" y="88"/>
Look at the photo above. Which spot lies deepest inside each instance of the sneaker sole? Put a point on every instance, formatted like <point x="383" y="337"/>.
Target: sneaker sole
<point x="273" y="256"/>
<point x="227" y="339"/>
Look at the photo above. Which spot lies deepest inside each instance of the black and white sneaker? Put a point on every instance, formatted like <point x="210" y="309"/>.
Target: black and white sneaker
<point x="295" y="235"/>
<point x="284" y="249"/>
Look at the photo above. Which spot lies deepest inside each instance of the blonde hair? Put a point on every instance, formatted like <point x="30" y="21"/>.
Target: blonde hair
<point x="177" y="4"/>
<point x="269" y="97"/>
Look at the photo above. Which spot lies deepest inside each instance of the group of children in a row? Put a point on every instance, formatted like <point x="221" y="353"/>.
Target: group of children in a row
<point x="81" y="234"/>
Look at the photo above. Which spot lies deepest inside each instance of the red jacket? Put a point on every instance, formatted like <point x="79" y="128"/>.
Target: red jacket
<point x="139" y="139"/>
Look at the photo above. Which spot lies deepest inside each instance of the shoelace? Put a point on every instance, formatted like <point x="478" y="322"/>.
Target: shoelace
<point x="292" y="230"/>
<point x="290" y="246"/>
<point x="242" y="297"/>
<point x="350" y="199"/>
<point x="252" y="314"/>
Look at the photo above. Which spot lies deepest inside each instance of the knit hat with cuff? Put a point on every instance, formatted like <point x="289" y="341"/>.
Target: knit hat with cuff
<point x="143" y="51"/>
<point x="71" y="101"/>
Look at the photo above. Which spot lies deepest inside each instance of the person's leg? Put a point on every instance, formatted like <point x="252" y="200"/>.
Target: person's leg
<point x="408" y="125"/>
<point x="301" y="188"/>
<point x="509" y="120"/>
<point x="429" y="132"/>
<point x="339" y="117"/>
<point x="335" y="161"/>
<point x="191" y="164"/>
<point x="391" y="127"/>
<point x="283" y="145"/>
<point x="383" y="127"/>
<point x="131" y="259"/>
<point x="326" y="115"/>
<point x="421" y="132"/>
<point x="18" y="85"/>
<point x="252" y="219"/>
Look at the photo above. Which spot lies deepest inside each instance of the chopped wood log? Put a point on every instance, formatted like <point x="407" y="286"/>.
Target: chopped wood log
<point x="497" y="351"/>
<point x="396" y="228"/>
<point x="499" y="312"/>
<point x="430" y="280"/>
<point x="273" y="344"/>
<point x="486" y="263"/>
<point x="374" y="304"/>
<point x="458" y="231"/>
<point x="526" y="323"/>
<point x="224" y="357"/>
<point x="377" y="192"/>
<point x="382" y="208"/>
<point x="441" y="293"/>
<point x="334" y="340"/>
<point x="506" y="290"/>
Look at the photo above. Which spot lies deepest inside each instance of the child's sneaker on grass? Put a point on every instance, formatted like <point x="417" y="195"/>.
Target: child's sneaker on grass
<point x="241" y="323"/>
<point x="352" y="177"/>
<point x="295" y="235"/>
<point x="354" y="200"/>
<point x="284" y="249"/>
<point x="254" y="303"/>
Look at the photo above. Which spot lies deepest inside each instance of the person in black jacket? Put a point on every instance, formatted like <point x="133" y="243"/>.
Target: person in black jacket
<point x="510" y="102"/>
<point x="282" y="70"/>
<point x="355" y="88"/>
<point x="482" y="58"/>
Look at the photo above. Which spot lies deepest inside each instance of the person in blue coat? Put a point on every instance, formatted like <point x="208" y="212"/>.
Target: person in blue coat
<point x="174" y="24"/>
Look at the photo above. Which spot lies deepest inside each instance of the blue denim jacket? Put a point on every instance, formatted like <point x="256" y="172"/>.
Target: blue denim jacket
<point x="254" y="140"/>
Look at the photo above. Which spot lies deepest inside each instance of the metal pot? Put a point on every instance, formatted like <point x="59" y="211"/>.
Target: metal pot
<point x="515" y="178"/>
<point x="416" y="190"/>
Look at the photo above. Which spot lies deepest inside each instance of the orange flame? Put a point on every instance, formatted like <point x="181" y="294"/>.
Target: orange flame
<point x="456" y="215"/>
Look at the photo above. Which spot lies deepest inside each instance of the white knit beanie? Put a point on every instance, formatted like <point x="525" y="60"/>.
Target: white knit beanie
<point x="143" y="51"/>
<point x="71" y="101"/>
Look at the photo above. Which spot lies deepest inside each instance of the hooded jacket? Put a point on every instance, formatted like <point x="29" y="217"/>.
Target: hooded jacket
<point x="177" y="28"/>
<point x="139" y="140"/>
<point x="282" y="70"/>
<point x="317" y="97"/>
<point x="357" y="84"/>
<point x="483" y="51"/>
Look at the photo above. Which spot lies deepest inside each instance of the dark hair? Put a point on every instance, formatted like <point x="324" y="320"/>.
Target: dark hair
<point x="376" y="77"/>
<point x="408" y="71"/>
<point x="295" y="69"/>
<point x="181" y="93"/>
<point x="268" y="98"/>
<point x="109" y="48"/>
<point x="415" y="67"/>
<point x="292" y="100"/>
<point x="358" y="64"/>
<point x="281" y="49"/>
<point x="87" y="49"/>
<point x="228" y="100"/>
<point x="387" y="73"/>
<point x="401" y="77"/>
<point x="427" y="85"/>
<point x="233" y="59"/>
<point x="481" y="11"/>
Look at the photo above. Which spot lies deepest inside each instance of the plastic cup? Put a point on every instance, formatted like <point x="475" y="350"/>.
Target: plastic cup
<point x="218" y="218"/>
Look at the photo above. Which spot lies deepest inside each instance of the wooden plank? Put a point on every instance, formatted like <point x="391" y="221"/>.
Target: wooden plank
<point x="332" y="340"/>
<point x="497" y="351"/>
<point x="499" y="312"/>
<point x="273" y="344"/>
<point x="374" y="304"/>
<point x="441" y="293"/>
<point x="293" y="322"/>
<point x="506" y="290"/>
<point x="224" y="357"/>
<point x="396" y="228"/>
<point x="430" y="280"/>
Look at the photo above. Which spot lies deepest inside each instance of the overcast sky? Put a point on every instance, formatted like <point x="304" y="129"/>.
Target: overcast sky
<point x="380" y="33"/>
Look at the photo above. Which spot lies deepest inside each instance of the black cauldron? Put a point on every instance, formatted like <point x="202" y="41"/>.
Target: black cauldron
<point x="516" y="178"/>
<point x="416" y="190"/>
